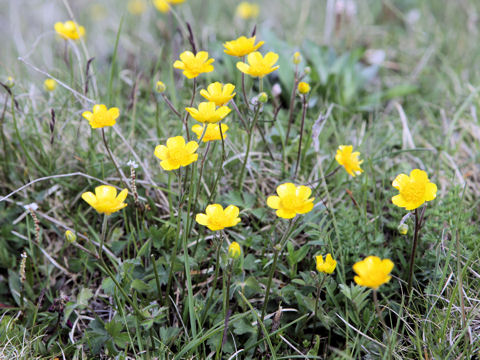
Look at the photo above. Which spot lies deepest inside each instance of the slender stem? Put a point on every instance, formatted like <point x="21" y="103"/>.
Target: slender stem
<point x="304" y="112"/>
<point x="103" y="236"/>
<point x="377" y="309"/>
<point x="245" y="99"/>
<point x="157" y="280"/>
<point x="414" y="249"/>
<point x="315" y="320"/>
<point x="111" y="157"/>
<point x="244" y="123"/>
<point x="187" y="114"/>
<point x="292" y="106"/>
<point x="215" y="279"/>
<point x="171" y="106"/>
<point x="249" y="143"/>
<point x="260" y="84"/>
<point x="226" y="310"/>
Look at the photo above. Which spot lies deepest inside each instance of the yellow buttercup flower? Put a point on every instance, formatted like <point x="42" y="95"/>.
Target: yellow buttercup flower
<point x="194" y="65"/>
<point x="164" y="5"/>
<point x="216" y="218"/>
<point x="176" y="153"/>
<point x="101" y="116"/>
<point x="70" y="236"/>
<point x="291" y="200"/>
<point x="69" y="30"/>
<point x="50" y="84"/>
<point x="105" y="199"/>
<point x="373" y="272"/>
<point x="218" y="93"/>
<point x="241" y="46"/>
<point x="303" y="88"/>
<point x="349" y="160"/>
<point x="160" y="87"/>
<point x="414" y="189"/>
<point x="234" y="250"/>
<point x="208" y="113"/>
<point x="212" y="132"/>
<point x="297" y="58"/>
<point x="327" y="266"/>
<point x="136" y="7"/>
<point x="259" y="66"/>
<point x="246" y="10"/>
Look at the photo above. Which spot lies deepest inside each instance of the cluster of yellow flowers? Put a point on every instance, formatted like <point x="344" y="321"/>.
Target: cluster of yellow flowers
<point x="290" y="200"/>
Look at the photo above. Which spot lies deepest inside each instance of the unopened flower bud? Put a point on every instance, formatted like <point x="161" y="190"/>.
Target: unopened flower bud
<point x="70" y="236"/>
<point x="160" y="87"/>
<point x="263" y="97"/>
<point x="49" y="84"/>
<point x="234" y="250"/>
<point x="10" y="82"/>
<point x="297" y="58"/>
<point x="307" y="70"/>
<point x="303" y="88"/>
<point x="403" y="229"/>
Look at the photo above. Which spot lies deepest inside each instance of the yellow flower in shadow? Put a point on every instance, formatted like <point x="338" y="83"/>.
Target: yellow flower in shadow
<point x="216" y="218"/>
<point x="246" y="10"/>
<point x="207" y="112"/>
<point x="241" y="46"/>
<point x="101" y="116"/>
<point x="176" y="154"/>
<point x="373" y="272"/>
<point x="164" y="5"/>
<point x="414" y="190"/>
<point x="69" y="30"/>
<point x="105" y="199"/>
<point x="234" y="250"/>
<point x="291" y="200"/>
<point x="259" y="66"/>
<point x="218" y="93"/>
<point x="349" y="160"/>
<point x="212" y="132"/>
<point x="327" y="266"/>
<point x="194" y="65"/>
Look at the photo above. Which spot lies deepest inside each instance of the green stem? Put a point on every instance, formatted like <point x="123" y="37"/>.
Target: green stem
<point x="215" y="279"/>
<point x="249" y="142"/>
<point x="416" y="233"/>
<point x="304" y="112"/>
<point x="377" y="309"/>
<point x="315" y="320"/>
<point x="112" y="158"/>
<point x="187" y="114"/>
<point x="157" y="279"/>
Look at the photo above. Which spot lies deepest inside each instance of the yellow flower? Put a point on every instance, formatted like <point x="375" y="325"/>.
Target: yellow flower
<point x="50" y="84"/>
<point x="297" y="58"/>
<point x="212" y="133"/>
<point x="137" y="7"/>
<point x="10" y="82"/>
<point x="216" y="218"/>
<point x="241" y="46"/>
<point x="164" y="5"/>
<point x="105" y="199"/>
<point x="69" y="30"/>
<point x="218" y="93"/>
<point x="414" y="189"/>
<point x="292" y="200"/>
<point x="349" y="160"/>
<point x="208" y="113"/>
<point x="327" y="266"/>
<point x="176" y="153"/>
<point x="193" y="65"/>
<point x="402" y="229"/>
<point x="373" y="272"/>
<point x="101" y="116"/>
<point x="234" y="250"/>
<point x="259" y="66"/>
<point x="246" y="10"/>
<point x="160" y="87"/>
<point x="303" y="88"/>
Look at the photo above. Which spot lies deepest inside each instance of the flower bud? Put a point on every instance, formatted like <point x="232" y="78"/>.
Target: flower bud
<point x="307" y="70"/>
<point x="10" y="82"/>
<point x="160" y="87"/>
<point x="263" y="97"/>
<point x="297" y="58"/>
<point x="403" y="229"/>
<point x="234" y="250"/>
<point x="70" y="236"/>
<point x="49" y="84"/>
<point x="303" y="88"/>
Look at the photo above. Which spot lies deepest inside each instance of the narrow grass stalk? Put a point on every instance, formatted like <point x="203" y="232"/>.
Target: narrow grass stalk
<point x="377" y="309"/>
<point x="249" y="145"/>
<point x="226" y="310"/>
<point x="157" y="279"/>
<point x="244" y="92"/>
<point x="187" y="114"/>
<point x="112" y="158"/>
<point x="304" y="113"/>
<point x="315" y="320"/>
<point x="292" y="105"/>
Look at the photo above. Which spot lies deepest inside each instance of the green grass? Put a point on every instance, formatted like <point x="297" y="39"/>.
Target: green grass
<point x="417" y="109"/>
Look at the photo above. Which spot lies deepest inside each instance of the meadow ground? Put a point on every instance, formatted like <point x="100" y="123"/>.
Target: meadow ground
<point x="168" y="276"/>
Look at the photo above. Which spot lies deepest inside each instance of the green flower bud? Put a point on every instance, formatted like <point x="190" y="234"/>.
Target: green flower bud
<point x="70" y="236"/>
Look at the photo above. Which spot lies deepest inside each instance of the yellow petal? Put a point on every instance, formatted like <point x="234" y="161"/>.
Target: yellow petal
<point x="192" y="146"/>
<point x="105" y="192"/>
<point x="176" y="141"/>
<point x="430" y="192"/>
<point x="214" y="210"/>
<point x="231" y="211"/>
<point x="400" y="181"/>
<point x="161" y="152"/>
<point x="303" y="192"/>
<point x="114" y="112"/>
<point x="122" y="196"/>
<point x="286" y="189"/>
<point x="285" y="214"/>
<point x="90" y="198"/>
<point x="202" y="219"/>
<point x="87" y="115"/>
<point x="273" y="202"/>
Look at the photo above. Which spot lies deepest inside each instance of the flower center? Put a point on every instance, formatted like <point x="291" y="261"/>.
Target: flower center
<point x="290" y="202"/>
<point x="176" y="155"/>
<point x="413" y="192"/>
